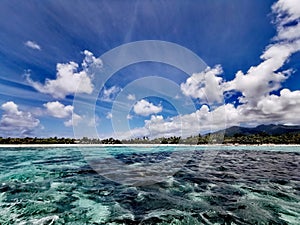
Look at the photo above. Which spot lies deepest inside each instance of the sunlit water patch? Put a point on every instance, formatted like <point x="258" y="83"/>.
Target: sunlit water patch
<point x="241" y="185"/>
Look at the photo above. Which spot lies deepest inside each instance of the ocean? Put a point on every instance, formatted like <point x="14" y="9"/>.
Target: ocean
<point x="150" y="185"/>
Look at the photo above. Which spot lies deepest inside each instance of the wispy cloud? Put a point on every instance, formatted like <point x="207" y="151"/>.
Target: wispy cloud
<point x="109" y="94"/>
<point x="33" y="45"/>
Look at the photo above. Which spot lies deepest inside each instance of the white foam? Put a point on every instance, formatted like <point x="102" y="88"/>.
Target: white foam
<point x="289" y="219"/>
<point x="49" y="220"/>
<point x="97" y="211"/>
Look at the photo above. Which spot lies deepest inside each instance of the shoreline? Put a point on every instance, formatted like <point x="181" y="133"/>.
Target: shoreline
<point x="137" y="145"/>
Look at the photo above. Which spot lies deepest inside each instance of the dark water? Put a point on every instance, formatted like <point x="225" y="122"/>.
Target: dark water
<point x="250" y="185"/>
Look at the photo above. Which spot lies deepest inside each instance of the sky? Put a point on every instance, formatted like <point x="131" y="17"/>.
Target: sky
<point x="140" y="68"/>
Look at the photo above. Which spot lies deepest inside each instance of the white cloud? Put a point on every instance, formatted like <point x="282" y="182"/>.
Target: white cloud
<point x="58" y="110"/>
<point x="181" y="125"/>
<point x="262" y="79"/>
<point x="286" y="10"/>
<point x="90" y="59"/>
<point x="66" y="82"/>
<point x="11" y="108"/>
<point x="202" y="120"/>
<point x="109" y="94"/>
<point x="109" y="115"/>
<point x="73" y="121"/>
<point x="16" y="122"/>
<point x="68" y="79"/>
<point x="131" y="97"/>
<point x="283" y="108"/>
<point x="129" y="117"/>
<point x="146" y="108"/>
<point x="288" y="33"/>
<point x="206" y="86"/>
<point x="33" y="45"/>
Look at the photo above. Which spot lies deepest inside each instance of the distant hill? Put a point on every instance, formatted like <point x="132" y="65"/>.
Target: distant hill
<point x="269" y="129"/>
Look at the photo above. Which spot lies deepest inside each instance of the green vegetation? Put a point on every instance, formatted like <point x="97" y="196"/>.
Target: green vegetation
<point x="35" y="140"/>
<point x="253" y="139"/>
<point x="263" y="138"/>
<point x="146" y="140"/>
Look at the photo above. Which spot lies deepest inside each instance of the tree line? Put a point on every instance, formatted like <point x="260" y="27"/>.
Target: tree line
<point x="35" y="140"/>
<point x="215" y="138"/>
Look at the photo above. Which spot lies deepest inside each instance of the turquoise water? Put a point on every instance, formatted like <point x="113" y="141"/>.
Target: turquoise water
<point x="161" y="185"/>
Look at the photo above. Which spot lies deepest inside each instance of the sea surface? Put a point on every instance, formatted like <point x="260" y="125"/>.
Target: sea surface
<point x="150" y="185"/>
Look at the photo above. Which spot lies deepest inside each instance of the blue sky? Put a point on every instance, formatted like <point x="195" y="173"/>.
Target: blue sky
<point x="48" y="48"/>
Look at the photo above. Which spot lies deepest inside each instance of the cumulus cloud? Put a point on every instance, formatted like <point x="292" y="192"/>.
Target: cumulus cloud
<point x="181" y="125"/>
<point x="32" y="45"/>
<point x="108" y="95"/>
<point x="68" y="79"/>
<point x="146" y="108"/>
<point x="260" y="80"/>
<point x="206" y="86"/>
<point x="131" y="97"/>
<point x="58" y="110"/>
<point x="202" y="120"/>
<point x="284" y="108"/>
<point x="17" y="122"/>
<point x="11" y="108"/>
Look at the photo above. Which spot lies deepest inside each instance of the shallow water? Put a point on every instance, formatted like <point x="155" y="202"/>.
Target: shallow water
<point x="163" y="185"/>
